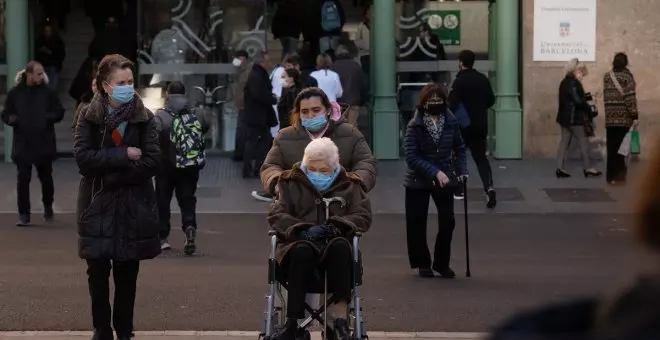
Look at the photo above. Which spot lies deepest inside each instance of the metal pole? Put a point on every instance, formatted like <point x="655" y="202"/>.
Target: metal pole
<point x="17" y="36"/>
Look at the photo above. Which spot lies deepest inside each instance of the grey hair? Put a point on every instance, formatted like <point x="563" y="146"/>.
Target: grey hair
<point x="322" y="149"/>
<point x="574" y="65"/>
<point x="20" y="75"/>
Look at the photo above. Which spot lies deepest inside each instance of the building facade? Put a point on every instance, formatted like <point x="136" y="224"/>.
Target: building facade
<point x="193" y="41"/>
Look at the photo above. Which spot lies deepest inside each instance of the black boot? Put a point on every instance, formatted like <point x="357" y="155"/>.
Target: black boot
<point x="287" y="332"/>
<point x="102" y="335"/>
<point x="342" y="331"/>
<point x="49" y="214"/>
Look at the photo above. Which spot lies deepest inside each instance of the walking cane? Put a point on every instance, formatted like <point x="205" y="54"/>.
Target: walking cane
<point x="327" y="202"/>
<point x="467" y="231"/>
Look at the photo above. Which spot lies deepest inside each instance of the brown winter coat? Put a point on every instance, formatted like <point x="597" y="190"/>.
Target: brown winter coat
<point x="289" y="147"/>
<point x="239" y="89"/>
<point x="300" y="206"/>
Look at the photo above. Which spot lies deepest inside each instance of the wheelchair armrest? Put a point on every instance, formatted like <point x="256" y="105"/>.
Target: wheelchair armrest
<point x="272" y="232"/>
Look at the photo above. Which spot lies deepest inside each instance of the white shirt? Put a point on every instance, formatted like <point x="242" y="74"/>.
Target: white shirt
<point x="275" y="77"/>
<point x="276" y="82"/>
<point x="329" y="82"/>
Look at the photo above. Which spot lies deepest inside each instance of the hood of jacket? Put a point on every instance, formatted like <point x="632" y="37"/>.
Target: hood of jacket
<point x="176" y="103"/>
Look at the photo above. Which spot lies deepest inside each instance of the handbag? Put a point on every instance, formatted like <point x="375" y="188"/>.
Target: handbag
<point x="624" y="148"/>
<point x="635" y="145"/>
<point x="462" y="115"/>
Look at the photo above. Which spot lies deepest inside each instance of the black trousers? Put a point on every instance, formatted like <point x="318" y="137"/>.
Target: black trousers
<point x="417" y="210"/>
<point x="183" y="183"/>
<point x="301" y="265"/>
<point x="258" y="141"/>
<point x="45" y="174"/>
<point x="125" y="279"/>
<point x="617" y="169"/>
<point x="478" y="146"/>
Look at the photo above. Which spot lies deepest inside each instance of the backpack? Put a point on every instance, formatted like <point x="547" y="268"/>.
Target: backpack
<point x="330" y="18"/>
<point x="187" y="139"/>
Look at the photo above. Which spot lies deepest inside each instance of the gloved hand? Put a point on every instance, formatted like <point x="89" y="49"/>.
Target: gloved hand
<point x="315" y="232"/>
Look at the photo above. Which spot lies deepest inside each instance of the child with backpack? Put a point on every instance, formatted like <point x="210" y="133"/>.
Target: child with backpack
<point x="182" y="129"/>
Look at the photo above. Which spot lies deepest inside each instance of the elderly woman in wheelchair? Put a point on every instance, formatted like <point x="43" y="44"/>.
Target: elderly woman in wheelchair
<point x="319" y="210"/>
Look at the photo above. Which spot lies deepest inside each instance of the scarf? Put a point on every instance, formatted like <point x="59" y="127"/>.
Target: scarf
<point x="434" y="128"/>
<point x="121" y="114"/>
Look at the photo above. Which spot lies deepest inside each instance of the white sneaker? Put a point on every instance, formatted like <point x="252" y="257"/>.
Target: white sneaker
<point x="261" y="196"/>
<point x="164" y="245"/>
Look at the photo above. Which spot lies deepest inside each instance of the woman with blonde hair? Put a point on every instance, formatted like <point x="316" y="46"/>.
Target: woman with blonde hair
<point x="328" y="79"/>
<point x="575" y="118"/>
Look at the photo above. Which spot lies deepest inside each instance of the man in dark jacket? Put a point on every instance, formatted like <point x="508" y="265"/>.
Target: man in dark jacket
<point x="33" y="109"/>
<point x="354" y="82"/>
<point x="50" y="52"/>
<point x="259" y="115"/>
<point x="178" y="121"/>
<point x="472" y="89"/>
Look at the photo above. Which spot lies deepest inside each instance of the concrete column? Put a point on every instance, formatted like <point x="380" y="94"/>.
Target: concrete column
<point x="492" y="55"/>
<point x="383" y="49"/>
<point x="17" y="41"/>
<point x="508" y="112"/>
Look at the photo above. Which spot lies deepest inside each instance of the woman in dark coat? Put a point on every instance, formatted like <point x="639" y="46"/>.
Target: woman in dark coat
<point x="116" y="149"/>
<point x="291" y="87"/>
<point x="574" y="117"/>
<point x="79" y="89"/>
<point x="433" y="135"/>
<point x="307" y="242"/>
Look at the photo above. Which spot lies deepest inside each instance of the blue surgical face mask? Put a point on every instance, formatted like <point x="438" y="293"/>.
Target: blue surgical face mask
<point x="122" y="94"/>
<point x="321" y="181"/>
<point x="315" y="124"/>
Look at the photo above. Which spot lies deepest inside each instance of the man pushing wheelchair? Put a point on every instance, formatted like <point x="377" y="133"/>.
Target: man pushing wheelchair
<point x="320" y="208"/>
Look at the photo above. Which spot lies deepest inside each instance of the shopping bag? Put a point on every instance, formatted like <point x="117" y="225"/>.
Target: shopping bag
<point x="624" y="148"/>
<point x="635" y="146"/>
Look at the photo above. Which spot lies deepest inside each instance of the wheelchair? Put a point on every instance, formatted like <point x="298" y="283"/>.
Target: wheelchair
<point x="275" y="314"/>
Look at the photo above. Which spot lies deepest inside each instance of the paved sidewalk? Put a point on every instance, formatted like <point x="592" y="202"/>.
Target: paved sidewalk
<point x="234" y="335"/>
<point x="527" y="186"/>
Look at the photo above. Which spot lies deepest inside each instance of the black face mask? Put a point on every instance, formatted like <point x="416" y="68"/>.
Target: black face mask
<point x="436" y="109"/>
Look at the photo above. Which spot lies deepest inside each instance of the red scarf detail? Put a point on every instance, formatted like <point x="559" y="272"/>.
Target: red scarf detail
<point x="116" y="137"/>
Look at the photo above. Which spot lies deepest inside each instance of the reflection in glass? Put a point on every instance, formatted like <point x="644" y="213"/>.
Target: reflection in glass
<point x="192" y="41"/>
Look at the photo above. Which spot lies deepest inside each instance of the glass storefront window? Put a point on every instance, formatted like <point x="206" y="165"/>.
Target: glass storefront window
<point x="193" y="41"/>
<point x="430" y="36"/>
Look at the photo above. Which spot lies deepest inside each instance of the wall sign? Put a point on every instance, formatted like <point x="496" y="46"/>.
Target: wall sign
<point x="446" y="25"/>
<point x="564" y="29"/>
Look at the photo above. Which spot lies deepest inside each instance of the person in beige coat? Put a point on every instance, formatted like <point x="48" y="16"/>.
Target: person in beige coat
<point x="311" y="119"/>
